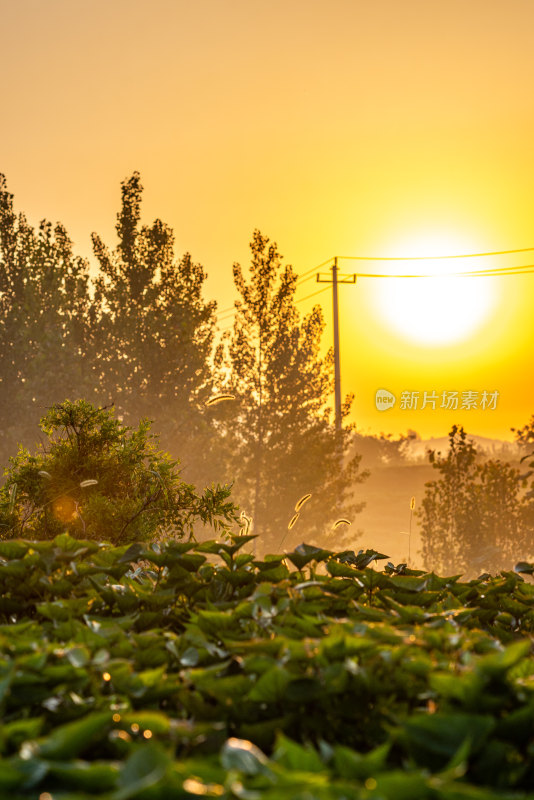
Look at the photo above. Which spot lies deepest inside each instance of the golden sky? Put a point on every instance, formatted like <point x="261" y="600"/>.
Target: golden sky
<point x="337" y="128"/>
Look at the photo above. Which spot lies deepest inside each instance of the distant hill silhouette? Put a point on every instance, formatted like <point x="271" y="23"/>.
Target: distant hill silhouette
<point x="417" y="449"/>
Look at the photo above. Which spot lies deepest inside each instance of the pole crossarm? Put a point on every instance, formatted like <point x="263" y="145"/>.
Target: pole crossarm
<point x="344" y="279"/>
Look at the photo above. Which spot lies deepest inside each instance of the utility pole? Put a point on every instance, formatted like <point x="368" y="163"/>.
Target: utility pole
<point x="335" y="307"/>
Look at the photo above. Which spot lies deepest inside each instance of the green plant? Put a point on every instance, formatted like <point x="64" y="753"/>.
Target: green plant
<point x="99" y="479"/>
<point x="205" y="672"/>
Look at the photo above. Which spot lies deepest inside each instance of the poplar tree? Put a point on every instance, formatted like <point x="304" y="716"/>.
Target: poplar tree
<point x="154" y="333"/>
<point x="280" y="440"/>
<point x="44" y="314"/>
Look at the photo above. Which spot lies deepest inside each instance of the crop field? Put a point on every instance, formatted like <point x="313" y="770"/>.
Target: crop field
<point x="194" y="670"/>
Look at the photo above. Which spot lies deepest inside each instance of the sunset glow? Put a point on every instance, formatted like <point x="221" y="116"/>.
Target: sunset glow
<point x="434" y="311"/>
<point x="381" y="129"/>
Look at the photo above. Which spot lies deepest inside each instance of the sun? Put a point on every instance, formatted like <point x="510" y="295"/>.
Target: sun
<point x="442" y="309"/>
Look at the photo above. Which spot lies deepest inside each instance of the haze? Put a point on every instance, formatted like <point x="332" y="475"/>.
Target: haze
<point x="347" y="128"/>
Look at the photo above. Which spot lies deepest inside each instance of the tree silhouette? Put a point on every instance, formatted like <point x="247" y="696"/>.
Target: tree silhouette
<point x="44" y="315"/>
<point x="154" y="333"/>
<point x="473" y="516"/>
<point x="281" y="443"/>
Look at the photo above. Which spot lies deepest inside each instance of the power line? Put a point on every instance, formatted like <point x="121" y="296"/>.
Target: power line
<point x="524" y="269"/>
<point x="328" y="260"/>
<point x="305" y="280"/>
<point x="494" y="272"/>
<point x="224" y="310"/>
<point x="230" y="311"/>
<point x="335" y="280"/>
<point x="300" y="300"/>
<point x="432" y="258"/>
<point x="227" y="315"/>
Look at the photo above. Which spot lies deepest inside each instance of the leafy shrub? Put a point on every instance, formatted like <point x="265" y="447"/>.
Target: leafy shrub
<point x="210" y="673"/>
<point x="99" y="479"/>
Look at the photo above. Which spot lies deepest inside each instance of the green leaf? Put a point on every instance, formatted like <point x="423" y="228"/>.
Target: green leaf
<point x="6" y="680"/>
<point x="10" y="776"/>
<point x="210" y="546"/>
<point x="269" y="561"/>
<point x="154" y="721"/>
<point x="20" y="772"/>
<point x="353" y="765"/>
<point x="17" y="568"/>
<point x="360" y="560"/>
<point x="408" y="583"/>
<point x="133" y="553"/>
<point x="13" y="549"/>
<point x="525" y="567"/>
<point x="237" y="542"/>
<point x="243" y="559"/>
<point x="144" y="768"/>
<point x="66" y="543"/>
<point x="397" y="785"/>
<point x="242" y="755"/>
<point x="271" y="686"/>
<point x="16" y="732"/>
<point x="305" y="553"/>
<point x="499" y="663"/>
<point x="432" y="740"/>
<point x="274" y="572"/>
<point x="214" y="622"/>
<point x="190" y="657"/>
<point x="340" y="570"/>
<point x="78" y="656"/>
<point x="73" y="738"/>
<point x="304" y="690"/>
<point x="99" y="776"/>
<point x="190" y="562"/>
<point x="295" y="756"/>
<point x="62" y="610"/>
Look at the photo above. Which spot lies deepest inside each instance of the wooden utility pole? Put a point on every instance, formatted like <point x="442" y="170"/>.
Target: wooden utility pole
<point x="337" y="361"/>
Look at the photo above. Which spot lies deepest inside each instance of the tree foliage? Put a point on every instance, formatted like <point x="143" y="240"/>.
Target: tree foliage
<point x="473" y="518"/>
<point x="44" y="308"/>
<point x="281" y="443"/>
<point x="96" y="478"/>
<point x="154" y="332"/>
<point x="140" y="337"/>
<point x="525" y="438"/>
